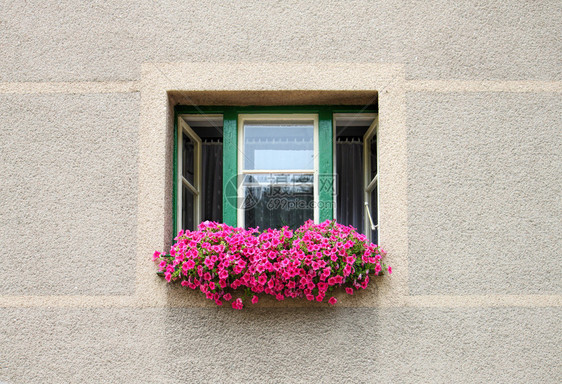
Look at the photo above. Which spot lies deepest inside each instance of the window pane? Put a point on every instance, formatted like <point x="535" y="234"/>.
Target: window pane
<point x="188" y="159"/>
<point x="349" y="182"/>
<point x="211" y="181"/>
<point x="188" y="206"/>
<point x="276" y="200"/>
<point x="279" y="145"/>
<point x="373" y="156"/>
<point x="374" y="215"/>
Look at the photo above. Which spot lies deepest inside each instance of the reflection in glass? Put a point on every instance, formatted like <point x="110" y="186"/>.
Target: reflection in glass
<point x="373" y="156"/>
<point x="278" y="145"/>
<point x="276" y="200"/>
<point x="188" y="159"/>
<point x="211" y="181"/>
<point x="187" y="207"/>
<point x="350" y="199"/>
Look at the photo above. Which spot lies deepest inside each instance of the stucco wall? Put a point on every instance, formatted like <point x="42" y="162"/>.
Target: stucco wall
<point x="471" y="146"/>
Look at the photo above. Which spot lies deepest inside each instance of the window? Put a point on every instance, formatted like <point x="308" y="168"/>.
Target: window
<point x="276" y="166"/>
<point x="278" y="170"/>
<point x="198" y="168"/>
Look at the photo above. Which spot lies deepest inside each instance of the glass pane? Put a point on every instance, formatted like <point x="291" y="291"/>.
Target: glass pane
<point x="373" y="143"/>
<point x="188" y="159"/>
<point x="374" y="214"/>
<point x="350" y="197"/>
<point x="211" y="181"/>
<point x="187" y="208"/>
<point x="276" y="200"/>
<point x="279" y="145"/>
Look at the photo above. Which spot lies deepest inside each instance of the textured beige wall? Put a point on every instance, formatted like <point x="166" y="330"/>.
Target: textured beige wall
<point x="484" y="193"/>
<point x="470" y="135"/>
<point x="68" y="206"/>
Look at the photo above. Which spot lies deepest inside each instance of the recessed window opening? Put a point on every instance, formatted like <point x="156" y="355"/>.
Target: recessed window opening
<point x="270" y="167"/>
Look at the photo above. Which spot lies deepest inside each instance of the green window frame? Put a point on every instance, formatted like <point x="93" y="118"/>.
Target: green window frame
<point x="230" y="114"/>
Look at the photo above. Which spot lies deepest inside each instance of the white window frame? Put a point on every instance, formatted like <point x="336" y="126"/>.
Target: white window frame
<point x="371" y="183"/>
<point x="242" y="118"/>
<point x="184" y="128"/>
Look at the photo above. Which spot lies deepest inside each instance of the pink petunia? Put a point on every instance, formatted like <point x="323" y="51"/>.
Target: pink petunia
<point x="255" y="299"/>
<point x="333" y="300"/>
<point x="223" y="274"/>
<point x="237" y="304"/>
<point x="295" y="262"/>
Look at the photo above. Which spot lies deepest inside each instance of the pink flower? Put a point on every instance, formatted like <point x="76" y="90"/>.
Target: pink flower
<point x="237" y="304"/>
<point x="389" y="269"/>
<point x="262" y="279"/>
<point x="314" y="256"/>
<point x="223" y="274"/>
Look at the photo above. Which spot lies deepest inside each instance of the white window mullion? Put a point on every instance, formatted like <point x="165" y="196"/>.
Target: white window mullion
<point x="188" y="185"/>
<point x="283" y="171"/>
<point x="372" y="184"/>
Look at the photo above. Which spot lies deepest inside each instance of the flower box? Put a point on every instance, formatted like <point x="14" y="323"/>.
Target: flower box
<point x="310" y="262"/>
